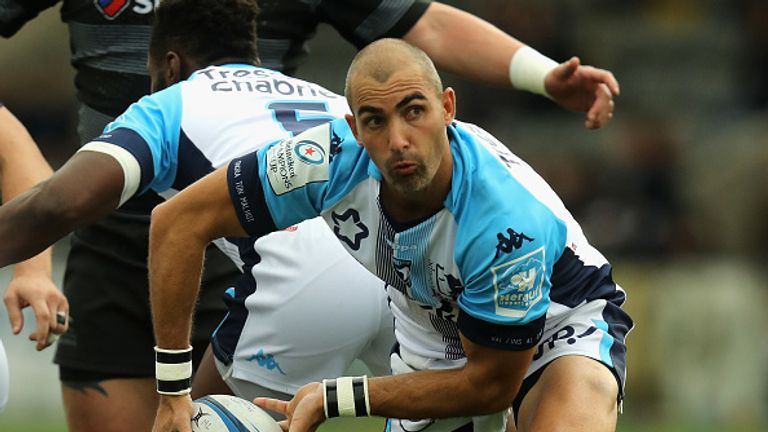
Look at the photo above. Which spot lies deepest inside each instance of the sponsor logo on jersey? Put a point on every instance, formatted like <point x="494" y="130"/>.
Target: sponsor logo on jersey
<point x="266" y="361"/>
<point x="518" y="284"/>
<point x="293" y="163"/>
<point x="309" y="152"/>
<point x="403" y="269"/>
<point x="349" y="228"/>
<point x="510" y="242"/>
<point x="446" y="284"/>
<point x="566" y="334"/>
<point x="111" y="8"/>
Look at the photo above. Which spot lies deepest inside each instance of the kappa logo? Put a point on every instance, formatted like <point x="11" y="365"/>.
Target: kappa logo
<point x="512" y="241"/>
<point x="349" y="228"/>
<point x="266" y="361"/>
<point x="309" y="152"/>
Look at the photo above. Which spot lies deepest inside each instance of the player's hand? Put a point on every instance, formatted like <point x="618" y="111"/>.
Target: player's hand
<point x="174" y="414"/>
<point x="304" y="412"/>
<point x="48" y="303"/>
<point x="585" y="89"/>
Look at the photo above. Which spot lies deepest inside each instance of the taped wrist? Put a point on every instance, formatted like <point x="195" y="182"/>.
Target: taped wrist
<point x="173" y="371"/>
<point x="528" y="68"/>
<point x="346" y="397"/>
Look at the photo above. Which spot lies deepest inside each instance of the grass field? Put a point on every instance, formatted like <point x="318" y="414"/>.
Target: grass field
<point x="626" y="424"/>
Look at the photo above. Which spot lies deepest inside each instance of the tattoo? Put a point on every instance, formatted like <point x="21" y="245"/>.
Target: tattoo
<point x="82" y="386"/>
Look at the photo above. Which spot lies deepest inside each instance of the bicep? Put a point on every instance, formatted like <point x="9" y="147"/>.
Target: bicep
<point x="87" y="187"/>
<point x="496" y="370"/>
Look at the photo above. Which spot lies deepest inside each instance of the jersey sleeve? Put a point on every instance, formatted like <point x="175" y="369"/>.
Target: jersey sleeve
<point x="363" y="21"/>
<point x="506" y="253"/>
<point x="295" y="179"/>
<point x="144" y="140"/>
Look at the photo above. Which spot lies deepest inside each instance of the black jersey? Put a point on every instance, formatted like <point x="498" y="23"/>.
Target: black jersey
<point x="109" y="38"/>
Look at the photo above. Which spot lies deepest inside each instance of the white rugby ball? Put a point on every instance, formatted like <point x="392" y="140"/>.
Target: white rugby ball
<point x="224" y="413"/>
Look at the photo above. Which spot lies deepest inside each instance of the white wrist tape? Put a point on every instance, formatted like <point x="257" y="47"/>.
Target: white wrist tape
<point x="346" y="397"/>
<point x="173" y="371"/>
<point x="528" y="68"/>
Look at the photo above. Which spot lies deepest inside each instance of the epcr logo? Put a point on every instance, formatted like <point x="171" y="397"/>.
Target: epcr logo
<point x="309" y="152"/>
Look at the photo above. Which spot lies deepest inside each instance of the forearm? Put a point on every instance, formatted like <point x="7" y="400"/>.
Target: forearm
<point x="413" y="395"/>
<point x="443" y="29"/>
<point x="175" y="266"/>
<point x="22" y="166"/>
<point x="29" y="226"/>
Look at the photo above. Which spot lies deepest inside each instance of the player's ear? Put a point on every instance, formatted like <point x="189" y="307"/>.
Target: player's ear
<point x="352" y="125"/>
<point x="449" y="105"/>
<point x="173" y="72"/>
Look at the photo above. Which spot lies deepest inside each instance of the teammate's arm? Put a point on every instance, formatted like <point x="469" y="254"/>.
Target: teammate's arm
<point x="487" y="384"/>
<point x="21" y="166"/>
<point x="464" y="44"/>
<point x="181" y="228"/>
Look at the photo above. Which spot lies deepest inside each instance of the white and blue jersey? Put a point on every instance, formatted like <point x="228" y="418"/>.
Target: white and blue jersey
<point x="171" y="138"/>
<point x="498" y="261"/>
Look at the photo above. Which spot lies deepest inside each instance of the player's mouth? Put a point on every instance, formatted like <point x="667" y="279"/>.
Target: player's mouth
<point x="404" y="168"/>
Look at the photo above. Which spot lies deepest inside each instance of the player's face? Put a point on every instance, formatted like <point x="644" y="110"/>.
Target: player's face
<point x="402" y="124"/>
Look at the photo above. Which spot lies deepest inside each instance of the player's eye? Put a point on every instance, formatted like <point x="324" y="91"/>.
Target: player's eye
<point x="373" y="122"/>
<point x="414" y="111"/>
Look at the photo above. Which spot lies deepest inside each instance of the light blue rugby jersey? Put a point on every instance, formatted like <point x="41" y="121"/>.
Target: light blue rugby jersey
<point x="485" y="264"/>
<point x="169" y="139"/>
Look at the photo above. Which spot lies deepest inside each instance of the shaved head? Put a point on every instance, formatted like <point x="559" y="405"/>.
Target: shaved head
<point x="382" y="58"/>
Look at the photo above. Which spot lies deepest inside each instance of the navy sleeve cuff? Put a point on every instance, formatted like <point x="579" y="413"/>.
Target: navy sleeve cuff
<point x="134" y="144"/>
<point x="247" y="195"/>
<point x="506" y="337"/>
<point x="408" y="20"/>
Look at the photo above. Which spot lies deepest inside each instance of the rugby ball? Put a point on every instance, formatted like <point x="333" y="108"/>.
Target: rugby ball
<point x="224" y="413"/>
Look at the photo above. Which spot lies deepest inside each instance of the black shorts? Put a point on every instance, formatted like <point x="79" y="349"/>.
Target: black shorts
<point x="106" y="283"/>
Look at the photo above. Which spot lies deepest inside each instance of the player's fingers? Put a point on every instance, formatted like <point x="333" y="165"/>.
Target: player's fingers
<point x="14" y="314"/>
<point x="283" y="425"/>
<point x="43" y="315"/>
<point x="612" y="83"/>
<point x="275" y="405"/>
<point x="601" y="111"/>
<point x="567" y="69"/>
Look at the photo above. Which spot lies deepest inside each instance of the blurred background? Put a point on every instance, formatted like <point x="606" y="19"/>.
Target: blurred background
<point x="673" y="191"/>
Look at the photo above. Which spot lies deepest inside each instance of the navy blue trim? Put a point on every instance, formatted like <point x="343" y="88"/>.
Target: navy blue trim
<point x="225" y="339"/>
<point x="573" y="282"/>
<point x="192" y="164"/>
<point x="247" y="195"/>
<point x="619" y="324"/>
<point x="506" y="337"/>
<point x="134" y="144"/>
